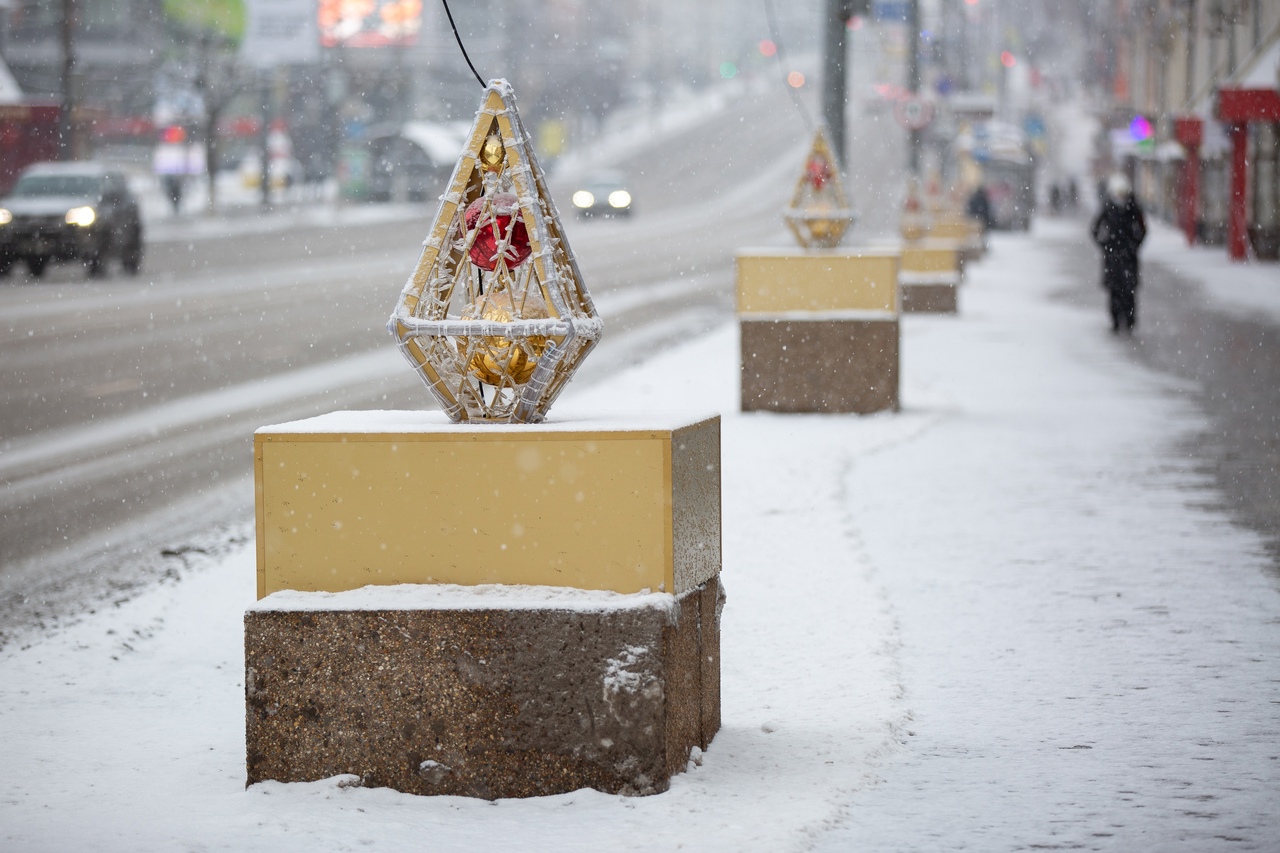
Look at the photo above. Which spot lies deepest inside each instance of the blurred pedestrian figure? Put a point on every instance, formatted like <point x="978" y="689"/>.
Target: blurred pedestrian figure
<point x="1073" y="194"/>
<point x="979" y="207"/>
<point x="1055" y="198"/>
<point x="1119" y="230"/>
<point x="173" y="190"/>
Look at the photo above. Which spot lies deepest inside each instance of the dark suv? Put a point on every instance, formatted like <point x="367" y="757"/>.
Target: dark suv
<point x="70" y="211"/>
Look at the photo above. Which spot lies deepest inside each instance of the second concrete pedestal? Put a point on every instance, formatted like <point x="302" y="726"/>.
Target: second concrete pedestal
<point x="819" y="330"/>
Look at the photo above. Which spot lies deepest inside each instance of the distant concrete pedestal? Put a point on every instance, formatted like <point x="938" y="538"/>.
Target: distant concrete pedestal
<point x="489" y="611"/>
<point x="930" y="277"/>
<point x="482" y="691"/>
<point x="965" y="230"/>
<point x="819" y="330"/>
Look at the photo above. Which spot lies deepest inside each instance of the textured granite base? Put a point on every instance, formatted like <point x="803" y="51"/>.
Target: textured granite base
<point x="484" y="700"/>
<point x="824" y="364"/>
<point x="929" y="297"/>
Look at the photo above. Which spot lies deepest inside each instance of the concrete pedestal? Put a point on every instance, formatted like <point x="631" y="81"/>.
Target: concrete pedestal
<point x="819" y="330"/>
<point x="482" y="691"/>
<point x="930" y="277"/>
<point x="486" y="610"/>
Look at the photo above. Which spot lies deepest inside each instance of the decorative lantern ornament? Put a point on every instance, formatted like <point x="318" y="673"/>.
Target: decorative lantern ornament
<point x="915" y="220"/>
<point x="819" y="214"/>
<point x="495" y="317"/>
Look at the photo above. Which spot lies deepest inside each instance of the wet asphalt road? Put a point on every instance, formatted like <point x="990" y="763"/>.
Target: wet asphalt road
<point x="1231" y="372"/>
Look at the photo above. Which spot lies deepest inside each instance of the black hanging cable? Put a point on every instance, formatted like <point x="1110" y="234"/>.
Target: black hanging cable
<point x="782" y="66"/>
<point x="461" y="47"/>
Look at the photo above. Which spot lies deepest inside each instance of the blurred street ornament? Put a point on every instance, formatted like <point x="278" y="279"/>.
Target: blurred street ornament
<point x="819" y="213"/>
<point x="495" y="317"/>
<point x="915" y="219"/>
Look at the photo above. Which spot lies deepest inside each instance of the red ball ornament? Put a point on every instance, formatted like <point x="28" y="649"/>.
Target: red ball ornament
<point x="492" y="228"/>
<point x="819" y="172"/>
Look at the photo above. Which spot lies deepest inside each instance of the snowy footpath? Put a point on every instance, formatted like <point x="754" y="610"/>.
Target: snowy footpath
<point x="1010" y="616"/>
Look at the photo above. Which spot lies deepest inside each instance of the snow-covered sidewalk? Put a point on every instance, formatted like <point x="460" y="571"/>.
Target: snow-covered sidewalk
<point x="1009" y="616"/>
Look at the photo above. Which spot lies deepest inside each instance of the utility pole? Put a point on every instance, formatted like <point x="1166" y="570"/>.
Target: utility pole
<point x="833" y="74"/>
<point x="913" y="77"/>
<point x="834" y="95"/>
<point x="67" y="147"/>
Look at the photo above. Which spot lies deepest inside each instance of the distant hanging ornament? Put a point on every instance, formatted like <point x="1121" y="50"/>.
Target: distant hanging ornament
<point x="496" y="318"/>
<point x="819" y="214"/>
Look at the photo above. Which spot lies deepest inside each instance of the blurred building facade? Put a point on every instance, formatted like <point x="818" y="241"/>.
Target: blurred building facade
<point x="143" y="65"/>
<point x="1204" y="77"/>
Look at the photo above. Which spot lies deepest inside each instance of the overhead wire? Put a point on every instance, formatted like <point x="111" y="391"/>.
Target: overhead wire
<point x="782" y="66"/>
<point x="461" y="46"/>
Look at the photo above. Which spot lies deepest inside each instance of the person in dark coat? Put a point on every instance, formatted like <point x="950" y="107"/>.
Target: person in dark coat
<point x="979" y="207"/>
<point x="1119" y="230"/>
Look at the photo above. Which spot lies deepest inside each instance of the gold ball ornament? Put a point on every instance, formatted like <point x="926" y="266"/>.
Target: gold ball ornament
<point x="501" y="356"/>
<point x="823" y="229"/>
<point x="492" y="153"/>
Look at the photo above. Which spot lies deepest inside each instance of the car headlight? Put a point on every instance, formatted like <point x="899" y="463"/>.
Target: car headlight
<point x="619" y="198"/>
<point x="82" y="216"/>
<point x="582" y="198"/>
<point x="5" y="216"/>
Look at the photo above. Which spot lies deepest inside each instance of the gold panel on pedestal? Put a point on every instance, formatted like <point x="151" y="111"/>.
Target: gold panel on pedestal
<point x="779" y="281"/>
<point x="955" y="227"/>
<point x="357" y="498"/>
<point x="931" y="257"/>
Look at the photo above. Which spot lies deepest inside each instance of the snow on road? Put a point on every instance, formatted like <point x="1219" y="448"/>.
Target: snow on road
<point x="1010" y="616"/>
